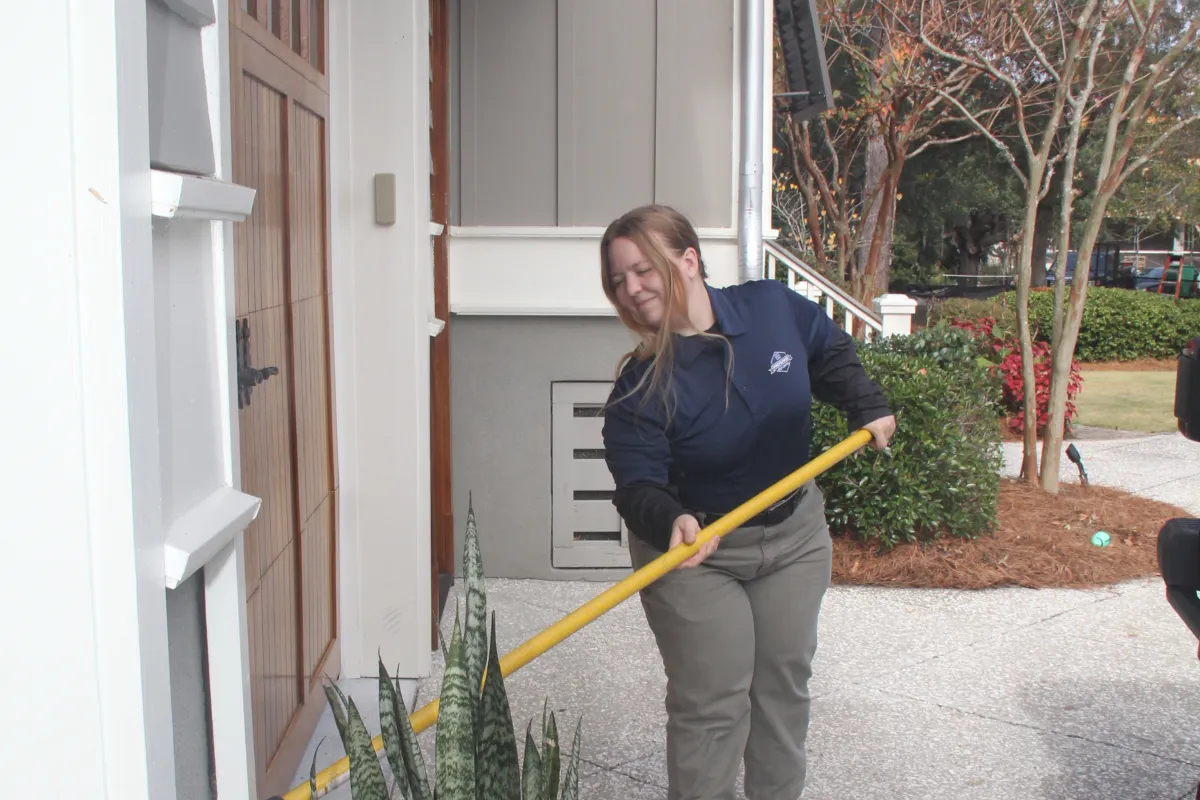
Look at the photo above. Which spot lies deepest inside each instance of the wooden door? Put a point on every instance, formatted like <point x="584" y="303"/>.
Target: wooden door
<point x="280" y="104"/>
<point x="442" y="527"/>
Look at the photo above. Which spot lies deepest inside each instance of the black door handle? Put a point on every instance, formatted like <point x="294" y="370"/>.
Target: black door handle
<point x="247" y="376"/>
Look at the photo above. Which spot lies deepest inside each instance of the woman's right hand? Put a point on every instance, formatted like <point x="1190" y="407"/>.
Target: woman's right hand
<point x="684" y="532"/>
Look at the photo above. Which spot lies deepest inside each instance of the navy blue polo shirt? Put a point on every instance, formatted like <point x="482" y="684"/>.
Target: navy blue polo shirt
<point x="719" y="455"/>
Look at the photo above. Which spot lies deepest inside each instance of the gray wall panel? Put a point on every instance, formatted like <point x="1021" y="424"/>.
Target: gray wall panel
<point x="501" y="369"/>
<point x="508" y="66"/>
<point x="694" y="125"/>
<point x="570" y="112"/>
<point x="186" y="632"/>
<point x="606" y="108"/>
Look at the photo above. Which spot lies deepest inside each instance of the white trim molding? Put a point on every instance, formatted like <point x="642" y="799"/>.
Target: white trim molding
<point x="177" y="195"/>
<point x="547" y="271"/>
<point x="566" y="232"/>
<point x="199" y="13"/>
<point x="204" y="530"/>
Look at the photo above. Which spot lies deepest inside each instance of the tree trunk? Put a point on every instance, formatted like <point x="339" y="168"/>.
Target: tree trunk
<point x="1029" y="460"/>
<point x="875" y="269"/>
<point x="1064" y="352"/>
<point x="970" y="261"/>
<point x="877" y="162"/>
<point x="1041" y="245"/>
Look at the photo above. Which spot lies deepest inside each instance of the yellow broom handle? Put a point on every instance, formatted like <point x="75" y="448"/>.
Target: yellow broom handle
<point x="607" y="600"/>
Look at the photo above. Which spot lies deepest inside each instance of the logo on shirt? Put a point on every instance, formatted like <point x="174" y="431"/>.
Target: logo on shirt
<point x="780" y="362"/>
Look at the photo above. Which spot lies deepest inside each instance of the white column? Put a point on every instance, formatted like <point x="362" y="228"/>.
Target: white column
<point x="382" y="302"/>
<point x="897" y="311"/>
<point x="88" y="701"/>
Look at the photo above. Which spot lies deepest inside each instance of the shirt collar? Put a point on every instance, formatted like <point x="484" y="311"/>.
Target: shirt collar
<point x="729" y="317"/>
<point x="730" y="322"/>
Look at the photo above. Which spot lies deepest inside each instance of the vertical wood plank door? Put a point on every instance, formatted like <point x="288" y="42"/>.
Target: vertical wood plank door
<point x="279" y="111"/>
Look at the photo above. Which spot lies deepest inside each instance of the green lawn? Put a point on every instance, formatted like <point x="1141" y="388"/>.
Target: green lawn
<point x="1128" y="401"/>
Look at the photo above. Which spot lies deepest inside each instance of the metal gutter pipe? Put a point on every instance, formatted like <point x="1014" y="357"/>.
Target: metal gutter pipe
<point x="750" y="180"/>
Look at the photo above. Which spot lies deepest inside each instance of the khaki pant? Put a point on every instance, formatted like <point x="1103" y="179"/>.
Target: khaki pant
<point x="737" y="636"/>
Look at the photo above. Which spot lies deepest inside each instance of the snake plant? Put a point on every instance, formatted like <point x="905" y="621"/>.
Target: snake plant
<point x="475" y="749"/>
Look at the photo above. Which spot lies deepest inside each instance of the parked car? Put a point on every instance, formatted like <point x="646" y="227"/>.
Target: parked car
<point x="1147" y="278"/>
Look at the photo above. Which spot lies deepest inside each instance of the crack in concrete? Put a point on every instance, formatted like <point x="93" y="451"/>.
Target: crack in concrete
<point x="616" y="769"/>
<point x="1039" y="729"/>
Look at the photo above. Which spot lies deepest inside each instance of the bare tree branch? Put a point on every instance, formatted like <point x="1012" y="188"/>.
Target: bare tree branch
<point x="1136" y="15"/>
<point x="986" y="131"/>
<point x="939" y="142"/>
<point x="1041" y="54"/>
<point x="1155" y="147"/>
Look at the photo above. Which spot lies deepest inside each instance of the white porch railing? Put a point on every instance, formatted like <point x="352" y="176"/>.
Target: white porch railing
<point x="892" y="314"/>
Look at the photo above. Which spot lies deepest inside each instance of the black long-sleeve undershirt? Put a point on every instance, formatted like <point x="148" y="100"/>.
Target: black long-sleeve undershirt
<point x="836" y="376"/>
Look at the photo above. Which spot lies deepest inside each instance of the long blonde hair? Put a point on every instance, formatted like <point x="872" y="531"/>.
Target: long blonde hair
<point x="657" y="230"/>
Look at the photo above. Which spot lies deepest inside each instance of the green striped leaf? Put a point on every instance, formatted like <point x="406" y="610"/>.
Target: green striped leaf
<point x="550" y="760"/>
<point x="312" y="771"/>
<point x="337" y="702"/>
<point x="414" y="759"/>
<point x="366" y="776"/>
<point x="570" y="789"/>
<point x="455" y="738"/>
<point x="499" y="769"/>
<point x="475" y="631"/>
<point x="389" y="725"/>
<point x="531" y="778"/>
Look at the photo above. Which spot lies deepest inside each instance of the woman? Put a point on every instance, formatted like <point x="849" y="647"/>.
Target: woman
<point x="711" y="408"/>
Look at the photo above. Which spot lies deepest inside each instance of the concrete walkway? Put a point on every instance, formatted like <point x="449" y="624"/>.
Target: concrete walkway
<point x="1009" y="693"/>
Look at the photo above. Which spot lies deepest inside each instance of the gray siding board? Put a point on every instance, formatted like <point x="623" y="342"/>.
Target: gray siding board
<point x="694" y="127"/>
<point x="508" y="112"/>
<point x="501" y="371"/>
<point x="455" y="78"/>
<point x="570" y="112"/>
<point x="606" y="104"/>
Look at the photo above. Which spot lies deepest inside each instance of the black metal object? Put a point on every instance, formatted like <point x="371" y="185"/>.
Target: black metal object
<point x="1179" y="564"/>
<point x="1077" y="460"/>
<point x="1187" y="391"/>
<point x="247" y="375"/>
<point x="809" y="92"/>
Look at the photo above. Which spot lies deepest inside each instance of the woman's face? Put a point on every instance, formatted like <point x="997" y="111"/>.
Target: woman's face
<point x="638" y="286"/>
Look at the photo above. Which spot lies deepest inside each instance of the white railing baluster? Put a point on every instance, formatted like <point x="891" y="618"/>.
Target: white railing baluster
<point x="802" y="278"/>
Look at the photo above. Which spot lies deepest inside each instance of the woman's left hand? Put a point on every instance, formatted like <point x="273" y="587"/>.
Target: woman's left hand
<point x="881" y="429"/>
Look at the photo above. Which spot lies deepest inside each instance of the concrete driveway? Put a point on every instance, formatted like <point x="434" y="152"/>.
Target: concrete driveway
<point x="1010" y="693"/>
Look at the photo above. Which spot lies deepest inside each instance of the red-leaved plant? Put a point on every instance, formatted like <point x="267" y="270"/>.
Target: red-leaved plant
<point x="1007" y="352"/>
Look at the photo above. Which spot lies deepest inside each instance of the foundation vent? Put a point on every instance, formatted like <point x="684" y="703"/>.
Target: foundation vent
<point x="587" y="532"/>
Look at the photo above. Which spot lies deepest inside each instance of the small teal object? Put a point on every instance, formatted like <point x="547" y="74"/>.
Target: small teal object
<point x="1101" y="539"/>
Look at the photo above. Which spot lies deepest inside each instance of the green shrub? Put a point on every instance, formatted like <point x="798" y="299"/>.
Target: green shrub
<point x="1117" y="325"/>
<point x="476" y="745"/>
<point x="1125" y="325"/>
<point x="941" y="474"/>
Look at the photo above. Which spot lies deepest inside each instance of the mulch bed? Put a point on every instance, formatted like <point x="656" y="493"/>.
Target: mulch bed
<point x="1041" y="541"/>
<point x="1141" y="365"/>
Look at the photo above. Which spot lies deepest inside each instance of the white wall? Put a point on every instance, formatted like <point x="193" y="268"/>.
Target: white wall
<point x="89" y="706"/>
<point x="550" y="270"/>
<point x="382" y="303"/>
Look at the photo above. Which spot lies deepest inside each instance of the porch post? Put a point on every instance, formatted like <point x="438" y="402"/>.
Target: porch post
<point x="897" y="311"/>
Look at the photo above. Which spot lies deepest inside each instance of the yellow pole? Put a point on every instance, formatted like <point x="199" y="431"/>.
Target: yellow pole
<point x="607" y="600"/>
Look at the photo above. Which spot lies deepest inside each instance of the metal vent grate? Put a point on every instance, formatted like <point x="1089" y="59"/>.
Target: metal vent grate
<point x="587" y="532"/>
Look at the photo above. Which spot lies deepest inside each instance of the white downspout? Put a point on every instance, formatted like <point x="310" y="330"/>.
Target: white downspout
<point x="750" y="180"/>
